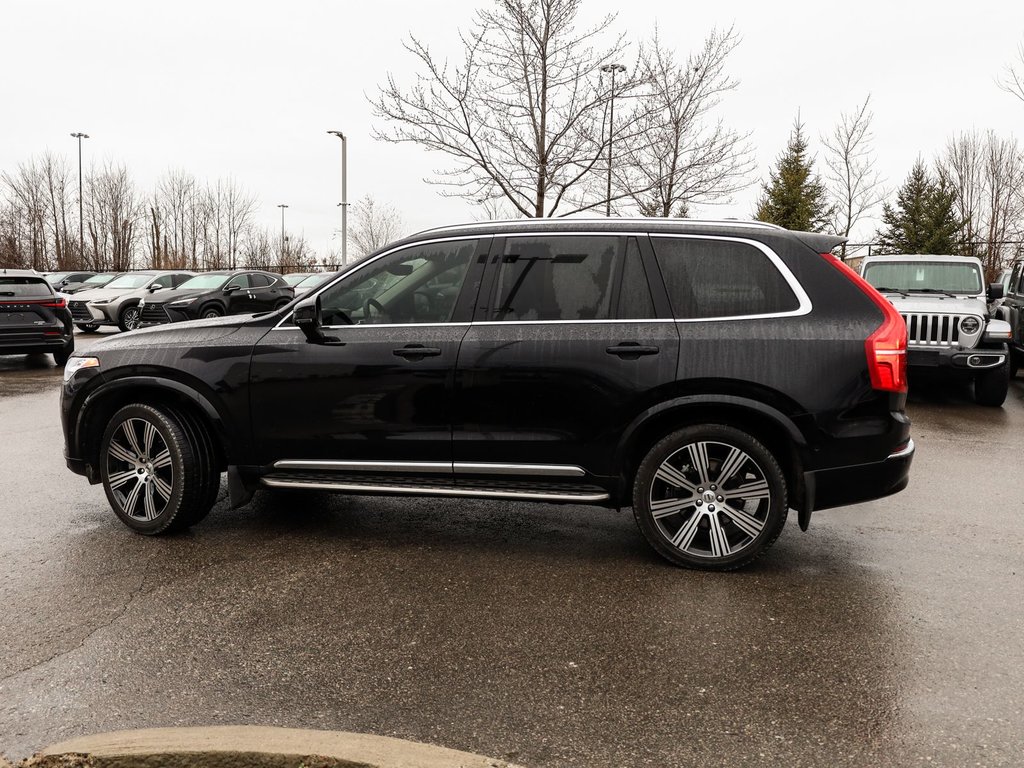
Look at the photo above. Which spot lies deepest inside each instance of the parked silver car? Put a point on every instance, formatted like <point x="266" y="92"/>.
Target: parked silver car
<point x="117" y="303"/>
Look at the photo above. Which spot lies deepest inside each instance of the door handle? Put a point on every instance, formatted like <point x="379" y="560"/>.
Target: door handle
<point x="416" y="351"/>
<point x="631" y="350"/>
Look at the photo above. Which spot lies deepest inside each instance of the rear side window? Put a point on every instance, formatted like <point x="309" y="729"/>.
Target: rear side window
<point x="556" y="278"/>
<point x="721" y="278"/>
<point x="259" y="281"/>
<point x="24" y="288"/>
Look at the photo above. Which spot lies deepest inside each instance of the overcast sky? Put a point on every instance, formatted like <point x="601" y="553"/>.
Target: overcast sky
<point x="248" y="89"/>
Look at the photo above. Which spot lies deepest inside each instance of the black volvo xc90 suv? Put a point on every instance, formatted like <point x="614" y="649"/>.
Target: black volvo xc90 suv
<point x="712" y="375"/>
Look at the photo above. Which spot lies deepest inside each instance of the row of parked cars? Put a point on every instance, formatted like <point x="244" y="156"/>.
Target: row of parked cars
<point x="39" y="312"/>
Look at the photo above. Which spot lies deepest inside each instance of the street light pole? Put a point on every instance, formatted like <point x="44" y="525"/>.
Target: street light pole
<point x="282" y="206"/>
<point x="613" y="68"/>
<point x="344" y="195"/>
<point x="81" y="225"/>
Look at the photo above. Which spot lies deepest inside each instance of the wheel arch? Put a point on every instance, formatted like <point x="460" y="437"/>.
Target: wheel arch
<point x="770" y="426"/>
<point x="151" y="390"/>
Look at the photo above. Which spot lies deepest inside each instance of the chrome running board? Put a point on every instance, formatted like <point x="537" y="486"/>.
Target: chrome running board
<point x="326" y="484"/>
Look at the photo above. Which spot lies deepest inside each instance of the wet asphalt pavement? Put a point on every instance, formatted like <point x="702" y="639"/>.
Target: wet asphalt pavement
<point x="890" y="634"/>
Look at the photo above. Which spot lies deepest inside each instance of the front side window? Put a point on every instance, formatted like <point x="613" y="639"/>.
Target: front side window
<point x="419" y="284"/>
<point x="556" y="278"/>
<point x="241" y="281"/>
<point x="721" y="278"/>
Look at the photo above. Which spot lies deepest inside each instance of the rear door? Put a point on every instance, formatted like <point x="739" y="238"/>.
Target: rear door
<point x="1014" y="302"/>
<point x="567" y="350"/>
<point x="265" y="292"/>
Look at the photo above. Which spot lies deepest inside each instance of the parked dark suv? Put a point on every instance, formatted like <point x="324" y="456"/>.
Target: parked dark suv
<point x="214" y="294"/>
<point x="712" y="375"/>
<point x="33" y="319"/>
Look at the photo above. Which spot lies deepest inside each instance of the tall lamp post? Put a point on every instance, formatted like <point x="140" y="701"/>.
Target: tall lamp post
<point x="282" y="206"/>
<point x="344" y="194"/>
<point x="612" y="68"/>
<point x="81" y="225"/>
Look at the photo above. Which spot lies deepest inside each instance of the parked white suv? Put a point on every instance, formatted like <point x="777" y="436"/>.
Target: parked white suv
<point x="117" y="303"/>
<point x="945" y="304"/>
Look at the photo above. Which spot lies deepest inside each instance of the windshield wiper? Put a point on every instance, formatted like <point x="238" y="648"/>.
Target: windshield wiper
<point x="934" y="290"/>
<point x="883" y="289"/>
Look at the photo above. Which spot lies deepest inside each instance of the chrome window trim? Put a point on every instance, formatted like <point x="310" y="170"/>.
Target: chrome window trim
<point x="804" y="305"/>
<point x="458" y="467"/>
<point x="365" y="263"/>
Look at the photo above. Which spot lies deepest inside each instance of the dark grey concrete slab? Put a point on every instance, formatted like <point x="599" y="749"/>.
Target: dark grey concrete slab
<point x="890" y="634"/>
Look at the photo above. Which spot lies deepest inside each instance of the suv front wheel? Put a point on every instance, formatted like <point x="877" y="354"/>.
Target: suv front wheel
<point x="157" y="469"/>
<point x="991" y="387"/>
<point x="710" y="496"/>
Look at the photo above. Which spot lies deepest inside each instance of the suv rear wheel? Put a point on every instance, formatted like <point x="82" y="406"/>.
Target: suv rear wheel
<point x="710" y="496"/>
<point x="157" y="469"/>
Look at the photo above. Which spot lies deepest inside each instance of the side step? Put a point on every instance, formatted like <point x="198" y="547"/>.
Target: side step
<point x="420" y="486"/>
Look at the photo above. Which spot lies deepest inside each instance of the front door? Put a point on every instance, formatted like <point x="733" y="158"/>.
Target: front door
<point x="381" y="389"/>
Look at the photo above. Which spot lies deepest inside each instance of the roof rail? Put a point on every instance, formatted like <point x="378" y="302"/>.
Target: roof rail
<point x="527" y="223"/>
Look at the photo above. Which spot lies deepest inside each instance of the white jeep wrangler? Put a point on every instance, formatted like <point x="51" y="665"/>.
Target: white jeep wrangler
<point x="945" y="304"/>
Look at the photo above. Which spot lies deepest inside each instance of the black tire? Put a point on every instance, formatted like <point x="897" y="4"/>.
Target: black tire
<point x="282" y="304"/>
<point x="171" y="485"/>
<point x="87" y="327"/>
<point x="129" y="318"/>
<point x="718" y="528"/>
<point x="990" y="387"/>
<point x="211" y="311"/>
<point x="206" y="455"/>
<point x="61" y="358"/>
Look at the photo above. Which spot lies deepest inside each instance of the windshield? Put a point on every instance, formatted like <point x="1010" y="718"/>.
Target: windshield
<point x="131" y="281"/>
<point x="295" y="278"/>
<point x="99" y="279"/>
<point x="314" y="280"/>
<point x="924" y="276"/>
<point x="56" y="277"/>
<point x="205" y="282"/>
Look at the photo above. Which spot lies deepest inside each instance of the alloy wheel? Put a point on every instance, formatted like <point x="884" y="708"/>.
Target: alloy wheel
<point x="140" y="474"/>
<point x="710" y="499"/>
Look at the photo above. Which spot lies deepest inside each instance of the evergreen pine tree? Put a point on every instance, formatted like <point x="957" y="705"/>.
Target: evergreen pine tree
<point x="795" y="197"/>
<point x="924" y="219"/>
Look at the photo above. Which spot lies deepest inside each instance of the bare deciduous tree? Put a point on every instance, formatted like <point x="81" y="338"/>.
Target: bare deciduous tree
<point x="1012" y="79"/>
<point x="114" y="214"/>
<point x="373" y="225"/>
<point x="521" y="115"/>
<point x="682" y="158"/>
<point x="987" y="173"/>
<point x="854" y="184"/>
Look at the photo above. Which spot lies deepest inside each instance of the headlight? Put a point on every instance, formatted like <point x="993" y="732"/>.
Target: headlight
<point x="98" y="302"/>
<point x="181" y="302"/>
<point x="76" y="364"/>
<point x="970" y="325"/>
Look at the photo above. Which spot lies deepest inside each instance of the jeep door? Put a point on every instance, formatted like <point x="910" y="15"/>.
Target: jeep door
<point x="380" y="389"/>
<point x="1014" y="303"/>
<point x="567" y="348"/>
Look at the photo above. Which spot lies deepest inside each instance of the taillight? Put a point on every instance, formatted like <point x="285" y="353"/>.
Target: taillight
<point x="55" y="304"/>
<point x="886" y="348"/>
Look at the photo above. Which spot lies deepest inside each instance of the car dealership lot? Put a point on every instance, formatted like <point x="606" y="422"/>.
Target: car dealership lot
<point x="890" y="633"/>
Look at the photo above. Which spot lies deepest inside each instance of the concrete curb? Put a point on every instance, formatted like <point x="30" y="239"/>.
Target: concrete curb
<point x="250" y="745"/>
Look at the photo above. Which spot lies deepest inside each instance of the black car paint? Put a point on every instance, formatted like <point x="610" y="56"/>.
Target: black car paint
<point x="800" y="381"/>
<point x="39" y="323"/>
